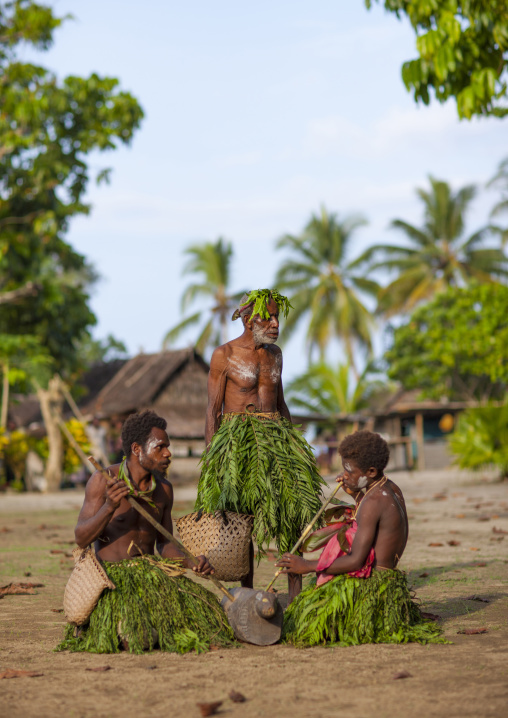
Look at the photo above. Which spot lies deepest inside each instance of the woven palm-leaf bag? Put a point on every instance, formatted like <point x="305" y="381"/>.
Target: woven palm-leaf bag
<point x="223" y="537"/>
<point x="85" y="585"/>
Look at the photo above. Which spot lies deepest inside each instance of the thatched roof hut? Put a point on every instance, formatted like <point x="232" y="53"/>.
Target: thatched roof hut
<point x="172" y="383"/>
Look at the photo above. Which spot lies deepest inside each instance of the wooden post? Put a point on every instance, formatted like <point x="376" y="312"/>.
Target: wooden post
<point x="420" y="443"/>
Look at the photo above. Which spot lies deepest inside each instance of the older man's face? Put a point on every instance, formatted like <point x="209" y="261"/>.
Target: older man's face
<point x="266" y="331"/>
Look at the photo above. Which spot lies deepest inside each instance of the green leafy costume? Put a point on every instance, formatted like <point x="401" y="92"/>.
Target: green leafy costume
<point x="150" y="606"/>
<point x="348" y="611"/>
<point x="260" y="464"/>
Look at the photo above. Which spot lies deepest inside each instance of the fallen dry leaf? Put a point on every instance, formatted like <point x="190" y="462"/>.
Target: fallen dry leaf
<point x="5" y="530"/>
<point x="454" y="532"/>
<point x="57" y="550"/>
<point x="237" y="697"/>
<point x="401" y="674"/>
<point x="460" y="516"/>
<point x="99" y="669"/>
<point x="473" y="631"/>
<point x="477" y="598"/>
<point x="424" y="575"/>
<point x="18" y="673"/>
<point x="496" y="538"/>
<point x="480" y="565"/>
<point x="431" y="616"/>
<point x="436" y="544"/>
<point x="494" y="516"/>
<point x="20" y="589"/>
<point x="495" y="530"/>
<point x="473" y="548"/>
<point x="209" y="709"/>
<point x="483" y="518"/>
<point x="57" y="610"/>
<point x="440" y="497"/>
<point x="453" y="543"/>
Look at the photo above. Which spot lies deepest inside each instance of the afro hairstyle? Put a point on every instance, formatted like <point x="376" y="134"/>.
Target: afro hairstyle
<point x="366" y="449"/>
<point x="138" y="427"/>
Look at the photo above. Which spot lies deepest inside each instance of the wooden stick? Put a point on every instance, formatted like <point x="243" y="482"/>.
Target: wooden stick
<point x="306" y="532"/>
<point x="161" y="529"/>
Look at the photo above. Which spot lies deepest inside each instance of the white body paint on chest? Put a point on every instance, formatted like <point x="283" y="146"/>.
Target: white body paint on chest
<point x="245" y="371"/>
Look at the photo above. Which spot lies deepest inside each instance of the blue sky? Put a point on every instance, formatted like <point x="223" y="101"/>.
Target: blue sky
<point x="256" y="115"/>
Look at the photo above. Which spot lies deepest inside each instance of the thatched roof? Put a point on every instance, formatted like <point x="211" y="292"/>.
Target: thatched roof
<point x="172" y="383"/>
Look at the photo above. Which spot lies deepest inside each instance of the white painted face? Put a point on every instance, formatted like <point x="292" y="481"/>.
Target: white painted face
<point x="362" y="482"/>
<point x="353" y="476"/>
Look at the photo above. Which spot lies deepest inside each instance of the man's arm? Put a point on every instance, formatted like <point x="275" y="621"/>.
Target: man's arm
<point x="100" y="504"/>
<point x="167" y="549"/>
<point x="355" y="560"/>
<point x="216" y="389"/>
<point x="281" y="403"/>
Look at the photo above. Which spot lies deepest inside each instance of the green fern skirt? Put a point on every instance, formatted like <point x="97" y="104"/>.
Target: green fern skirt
<point x="348" y="611"/>
<point x="149" y="607"/>
<point x="263" y="467"/>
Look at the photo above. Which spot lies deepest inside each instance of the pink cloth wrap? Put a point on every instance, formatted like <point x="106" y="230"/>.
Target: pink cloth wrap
<point x="332" y="550"/>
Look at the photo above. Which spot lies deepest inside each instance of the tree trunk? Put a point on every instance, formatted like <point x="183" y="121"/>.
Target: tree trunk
<point x="51" y="401"/>
<point x="5" y="395"/>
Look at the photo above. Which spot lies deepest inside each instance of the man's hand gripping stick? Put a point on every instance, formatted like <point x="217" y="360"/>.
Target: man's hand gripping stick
<point x="98" y="467"/>
<point x="306" y="532"/>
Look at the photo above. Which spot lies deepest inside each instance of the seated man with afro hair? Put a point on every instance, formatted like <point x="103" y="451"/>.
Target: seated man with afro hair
<point x="359" y="595"/>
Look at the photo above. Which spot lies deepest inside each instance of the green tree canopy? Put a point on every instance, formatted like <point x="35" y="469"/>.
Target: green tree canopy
<point x="438" y="255"/>
<point x="211" y="262"/>
<point x="455" y="346"/>
<point x="321" y="285"/>
<point x="462" y="50"/>
<point x="48" y="128"/>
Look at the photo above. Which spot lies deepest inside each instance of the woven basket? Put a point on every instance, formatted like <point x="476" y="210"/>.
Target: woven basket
<point x="224" y="543"/>
<point x="85" y="585"/>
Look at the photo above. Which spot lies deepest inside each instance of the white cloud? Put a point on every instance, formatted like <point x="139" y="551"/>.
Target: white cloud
<point x="395" y="131"/>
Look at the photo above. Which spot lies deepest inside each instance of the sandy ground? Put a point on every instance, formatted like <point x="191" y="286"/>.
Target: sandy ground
<point x="469" y="677"/>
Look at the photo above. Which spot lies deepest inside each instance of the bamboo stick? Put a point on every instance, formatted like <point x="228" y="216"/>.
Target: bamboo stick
<point x="306" y="532"/>
<point x="161" y="529"/>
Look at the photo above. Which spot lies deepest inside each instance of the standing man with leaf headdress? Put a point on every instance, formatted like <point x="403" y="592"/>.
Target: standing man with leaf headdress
<point x="256" y="461"/>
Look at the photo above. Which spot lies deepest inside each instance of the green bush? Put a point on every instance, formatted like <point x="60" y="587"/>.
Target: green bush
<point x="481" y="438"/>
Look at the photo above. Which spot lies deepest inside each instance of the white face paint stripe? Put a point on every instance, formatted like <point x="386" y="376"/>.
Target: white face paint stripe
<point x="362" y="482"/>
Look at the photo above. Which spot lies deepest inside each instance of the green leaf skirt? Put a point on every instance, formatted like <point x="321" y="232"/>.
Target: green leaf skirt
<point x="263" y="467"/>
<point x="149" y="607"/>
<point x="348" y="611"/>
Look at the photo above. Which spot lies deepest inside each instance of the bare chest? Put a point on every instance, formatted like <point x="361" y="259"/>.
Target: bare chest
<point x="253" y="371"/>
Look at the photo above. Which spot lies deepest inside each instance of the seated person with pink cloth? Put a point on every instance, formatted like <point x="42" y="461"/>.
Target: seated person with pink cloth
<point x="359" y="596"/>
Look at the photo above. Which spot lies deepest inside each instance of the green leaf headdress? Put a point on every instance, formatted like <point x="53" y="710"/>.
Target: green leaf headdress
<point x="260" y="298"/>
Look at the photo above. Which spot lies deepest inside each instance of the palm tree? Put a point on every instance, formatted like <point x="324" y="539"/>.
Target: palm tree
<point x="438" y="255"/>
<point x="323" y="287"/>
<point x="327" y="389"/>
<point x="213" y="262"/>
